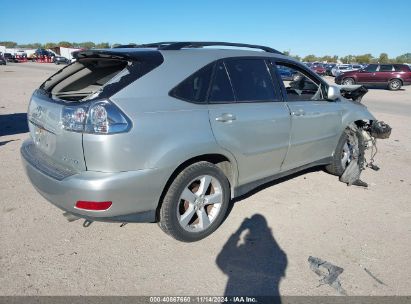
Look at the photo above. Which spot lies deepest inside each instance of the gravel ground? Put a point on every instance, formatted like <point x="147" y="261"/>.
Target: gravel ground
<point x="367" y="232"/>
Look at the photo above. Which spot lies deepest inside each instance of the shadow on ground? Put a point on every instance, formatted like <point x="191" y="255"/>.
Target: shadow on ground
<point x="11" y="124"/>
<point x="252" y="260"/>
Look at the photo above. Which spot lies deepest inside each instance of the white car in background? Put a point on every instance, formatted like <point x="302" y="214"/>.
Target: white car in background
<point x="342" y="68"/>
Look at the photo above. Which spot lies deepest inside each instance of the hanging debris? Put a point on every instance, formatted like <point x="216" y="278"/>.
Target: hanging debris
<point x="363" y="137"/>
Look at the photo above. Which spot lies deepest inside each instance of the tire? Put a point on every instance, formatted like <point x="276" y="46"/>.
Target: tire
<point x="348" y="81"/>
<point x="193" y="217"/>
<point x="336" y="167"/>
<point x="394" y="84"/>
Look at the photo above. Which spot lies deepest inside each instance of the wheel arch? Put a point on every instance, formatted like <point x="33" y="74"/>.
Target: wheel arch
<point x="397" y="78"/>
<point x="227" y="164"/>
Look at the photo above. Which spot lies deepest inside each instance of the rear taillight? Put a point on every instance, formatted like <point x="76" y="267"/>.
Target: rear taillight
<point x="93" y="206"/>
<point x="101" y="117"/>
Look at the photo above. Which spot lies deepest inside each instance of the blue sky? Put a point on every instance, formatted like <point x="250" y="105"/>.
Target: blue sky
<point x="317" y="27"/>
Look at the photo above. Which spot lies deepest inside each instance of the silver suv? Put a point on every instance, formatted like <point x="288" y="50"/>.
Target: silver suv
<point x="171" y="132"/>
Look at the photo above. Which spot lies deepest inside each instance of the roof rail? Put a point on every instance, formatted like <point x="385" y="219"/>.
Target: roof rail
<point x="199" y="44"/>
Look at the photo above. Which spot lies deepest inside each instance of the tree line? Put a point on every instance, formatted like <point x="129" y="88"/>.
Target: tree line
<point x="67" y="44"/>
<point x="365" y="58"/>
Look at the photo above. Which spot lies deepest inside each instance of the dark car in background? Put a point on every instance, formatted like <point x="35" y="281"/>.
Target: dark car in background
<point x="61" y="60"/>
<point x="2" y="60"/>
<point x="10" y="57"/>
<point x="328" y="68"/>
<point x="394" y="76"/>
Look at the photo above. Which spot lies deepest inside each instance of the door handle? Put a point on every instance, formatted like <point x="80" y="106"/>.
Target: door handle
<point x="299" y="112"/>
<point x="226" y="117"/>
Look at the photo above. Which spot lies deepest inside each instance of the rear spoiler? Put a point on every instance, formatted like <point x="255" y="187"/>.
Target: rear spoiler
<point x="129" y="55"/>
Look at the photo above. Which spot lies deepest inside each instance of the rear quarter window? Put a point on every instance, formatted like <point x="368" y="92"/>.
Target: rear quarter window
<point x="195" y="87"/>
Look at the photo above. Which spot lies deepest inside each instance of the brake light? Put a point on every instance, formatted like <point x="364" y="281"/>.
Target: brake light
<point x="94" y="206"/>
<point x="101" y="117"/>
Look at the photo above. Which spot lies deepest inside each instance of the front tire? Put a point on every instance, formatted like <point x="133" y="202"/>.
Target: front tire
<point x="342" y="156"/>
<point x="196" y="202"/>
<point x="394" y="85"/>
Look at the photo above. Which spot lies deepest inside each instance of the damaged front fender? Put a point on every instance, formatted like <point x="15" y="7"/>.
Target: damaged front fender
<point x="352" y="92"/>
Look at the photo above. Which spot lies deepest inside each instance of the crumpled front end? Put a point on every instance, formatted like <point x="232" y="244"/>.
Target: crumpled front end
<point x="362" y="138"/>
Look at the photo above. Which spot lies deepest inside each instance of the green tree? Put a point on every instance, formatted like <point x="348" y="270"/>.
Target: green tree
<point x="115" y="45"/>
<point x="86" y="45"/>
<point x="296" y="57"/>
<point x="366" y="58"/>
<point x="286" y="53"/>
<point x="8" y="44"/>
<point x="383" y="58"/>
<point x="326" y="58"/>
<point x="50" y="45"/>
<point x="310" y="58"/>
<point x="405" y="58"/>
<point x="103" y="45"/>
<point x="65" y="44"/>
<point x="34" y="45"/>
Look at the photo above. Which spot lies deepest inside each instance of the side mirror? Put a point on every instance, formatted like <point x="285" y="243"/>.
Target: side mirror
<point x="333" y="93"/>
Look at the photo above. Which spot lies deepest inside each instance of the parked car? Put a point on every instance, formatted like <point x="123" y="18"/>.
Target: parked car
<point x="328" y="68"/>
<point x="43" y="52"/>
<point x="3" y="61"/>
<point x="394" y="76"/>
<point x="343" y="68"/>
<point x="61" y="60"/>
<point x="155" y="133"/>
<point x="10" y="58"/>
<point x="318" y="68"/>
<point x="287" y="74"/>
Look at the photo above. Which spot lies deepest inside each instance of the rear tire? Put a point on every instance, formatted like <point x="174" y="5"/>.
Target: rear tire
<point x="340" y="154"/>
<point x="348" y="81"/>
<point x="394" y="84"/>
<point x="195" y="203"/>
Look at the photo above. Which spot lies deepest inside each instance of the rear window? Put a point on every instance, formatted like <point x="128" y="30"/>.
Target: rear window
<point x="251" y="80"/>
<point x="400" y="67"/>
<point x="91" y="78"/>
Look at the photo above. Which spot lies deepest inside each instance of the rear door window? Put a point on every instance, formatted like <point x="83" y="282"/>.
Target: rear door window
<point x="251" y="80"/>
<point x="221" y="89"/>
<point x="386" y="68"/>
<point x="195" y="87"/>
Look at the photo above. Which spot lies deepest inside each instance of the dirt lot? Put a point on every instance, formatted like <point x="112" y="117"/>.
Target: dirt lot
<point x="367" y="232"/>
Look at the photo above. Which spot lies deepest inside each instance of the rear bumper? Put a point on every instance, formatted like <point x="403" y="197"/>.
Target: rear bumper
<point x="134" y="194"/>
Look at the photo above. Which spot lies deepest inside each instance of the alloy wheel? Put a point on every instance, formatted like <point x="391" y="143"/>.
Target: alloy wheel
<point x="199" y="203"/>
